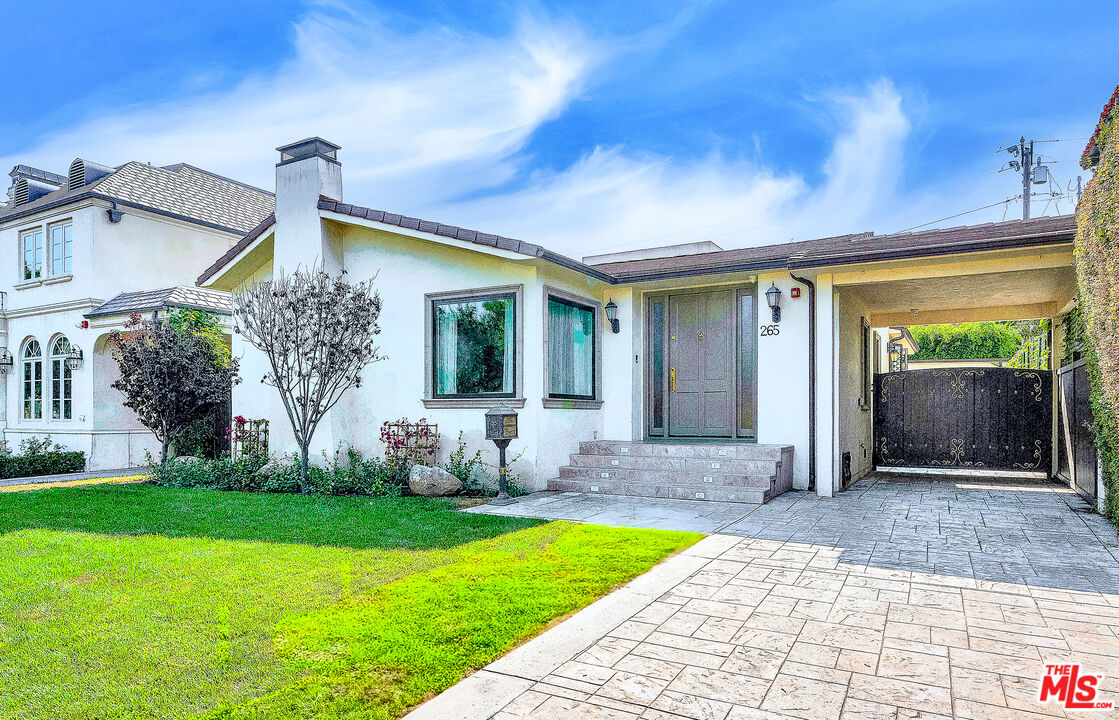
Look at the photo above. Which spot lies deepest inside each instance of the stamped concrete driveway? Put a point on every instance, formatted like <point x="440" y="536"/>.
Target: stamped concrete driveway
<point x="901" y="598"/>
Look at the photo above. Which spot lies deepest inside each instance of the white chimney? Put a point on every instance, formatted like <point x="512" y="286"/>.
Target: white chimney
<point x="307" y="170"/>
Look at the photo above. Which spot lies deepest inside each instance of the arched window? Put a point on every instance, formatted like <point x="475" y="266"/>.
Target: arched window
<point x="61" y="379"/>
<point x="32" y="362"/>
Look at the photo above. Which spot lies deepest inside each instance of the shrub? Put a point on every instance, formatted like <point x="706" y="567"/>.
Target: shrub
<point x="39" y="457"/>
<point x="464" y="468"/>
<point x="356" y="475"/>
<point x="965" y="341"/>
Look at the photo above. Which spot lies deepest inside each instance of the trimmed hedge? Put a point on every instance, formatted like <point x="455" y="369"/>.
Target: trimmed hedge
<point x="40" y="457"/>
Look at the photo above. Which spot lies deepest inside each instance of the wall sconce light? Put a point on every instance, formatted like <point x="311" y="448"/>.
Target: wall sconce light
<point x="6" y="361"/>
<point x="612" y="316"/>
<point x="74" y="359"/>
<point x="773" y="297"/>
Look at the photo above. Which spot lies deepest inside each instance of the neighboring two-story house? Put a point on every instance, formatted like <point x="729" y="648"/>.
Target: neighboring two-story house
<point x="75" y="244"/>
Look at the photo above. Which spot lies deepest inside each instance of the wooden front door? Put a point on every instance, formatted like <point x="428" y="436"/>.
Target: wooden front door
<point x="701" y="361"/>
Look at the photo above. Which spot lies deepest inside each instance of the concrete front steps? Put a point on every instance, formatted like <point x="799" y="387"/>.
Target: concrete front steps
<point x="729" y="472"/>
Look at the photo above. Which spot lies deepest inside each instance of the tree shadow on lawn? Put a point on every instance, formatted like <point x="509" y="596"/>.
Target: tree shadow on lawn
<point x="355" y="522"/>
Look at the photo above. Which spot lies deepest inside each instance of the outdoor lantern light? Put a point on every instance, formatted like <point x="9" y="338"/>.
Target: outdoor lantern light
<point x="501" y="427"/>
<point x="6" y="361"/>
<point x="74" y="359"/>
<point x="612" y="316"/>
<point x="773" y="297"/>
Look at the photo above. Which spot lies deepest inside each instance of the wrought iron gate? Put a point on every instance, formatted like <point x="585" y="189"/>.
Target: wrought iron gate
<point x="1077" y="456"/>
<point x="973" y="418"/>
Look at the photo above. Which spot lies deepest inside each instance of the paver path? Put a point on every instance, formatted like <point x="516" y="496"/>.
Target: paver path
<point x="900" y="598"/>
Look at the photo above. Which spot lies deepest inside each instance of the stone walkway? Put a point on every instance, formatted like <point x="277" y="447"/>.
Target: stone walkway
<point x="900" y="598"/>
<point x="71" y="477"/>
<point x="619" y="510"/>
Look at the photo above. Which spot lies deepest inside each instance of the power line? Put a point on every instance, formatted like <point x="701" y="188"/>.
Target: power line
<point x="965" y="212"/>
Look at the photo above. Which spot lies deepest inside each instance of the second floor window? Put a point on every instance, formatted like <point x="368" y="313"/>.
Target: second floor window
<point x="62" y="248"/>
<point x="31" y="243"/>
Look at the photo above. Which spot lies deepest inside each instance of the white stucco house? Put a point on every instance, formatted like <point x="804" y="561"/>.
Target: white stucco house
<point x="660" y="372"/>
<point x="75" y="243"/>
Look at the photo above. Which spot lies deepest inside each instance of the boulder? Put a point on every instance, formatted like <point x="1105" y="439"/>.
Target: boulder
<point x="270" y="468"/>
<point x="433" y="481"/>
<point x="187" y="459"/>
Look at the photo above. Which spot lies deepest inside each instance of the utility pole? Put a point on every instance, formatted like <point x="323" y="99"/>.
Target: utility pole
<point x="1032" y="172"/>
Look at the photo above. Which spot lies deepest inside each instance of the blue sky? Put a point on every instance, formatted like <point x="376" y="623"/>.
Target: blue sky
<point x="583" y="126"/>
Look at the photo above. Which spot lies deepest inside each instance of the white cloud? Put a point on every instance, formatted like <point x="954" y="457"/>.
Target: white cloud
<point x="617" y="199"/>
<point x="430" y="114"/>
<point x="429" y="117"/>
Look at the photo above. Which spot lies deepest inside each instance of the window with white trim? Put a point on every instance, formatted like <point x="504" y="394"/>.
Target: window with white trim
<point x="31" y="251"/>
<point x="61" y="380"/>
<point x="31" y="362"/>
<point x="61" y="248"/>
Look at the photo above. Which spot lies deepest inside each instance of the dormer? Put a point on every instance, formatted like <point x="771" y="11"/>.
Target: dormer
<point x="83" y="172"/>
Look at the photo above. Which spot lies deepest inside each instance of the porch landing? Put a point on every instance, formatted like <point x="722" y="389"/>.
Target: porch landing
<point x="697" y="471"/>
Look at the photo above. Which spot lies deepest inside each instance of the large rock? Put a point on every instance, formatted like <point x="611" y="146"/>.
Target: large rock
<point x="187" y="459"/>
<point x="271" y="467"/>
<point x="433" y="481"/>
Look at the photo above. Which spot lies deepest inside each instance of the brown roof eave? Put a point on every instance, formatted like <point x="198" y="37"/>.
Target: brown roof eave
<point x="1007" y="243"/>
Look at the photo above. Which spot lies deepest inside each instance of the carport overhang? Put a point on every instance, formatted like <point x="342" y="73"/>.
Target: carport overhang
<point x="1015" y="283"/>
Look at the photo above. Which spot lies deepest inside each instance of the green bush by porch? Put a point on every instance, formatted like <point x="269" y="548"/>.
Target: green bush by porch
<point x="140" y="601"/>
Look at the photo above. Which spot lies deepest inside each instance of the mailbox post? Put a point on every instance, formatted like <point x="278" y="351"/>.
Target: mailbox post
<point x="501" y="427"/>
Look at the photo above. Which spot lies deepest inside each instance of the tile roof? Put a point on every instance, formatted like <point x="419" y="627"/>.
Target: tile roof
<point x="181" y="191"/>
<point x="181" y="296"/>
<point x="453" y="231"/>
<point x="821" y="252"/>
<point x="857" y="248"/>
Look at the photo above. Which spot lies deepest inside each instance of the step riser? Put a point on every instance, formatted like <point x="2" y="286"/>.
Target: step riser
<point x="653" y="477"/>
<point x="747" y="451"/>
<point x="730" y="466"/>
<point x="743" y="495"/>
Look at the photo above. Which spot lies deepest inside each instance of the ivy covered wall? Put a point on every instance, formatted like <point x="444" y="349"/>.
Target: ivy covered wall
<point x="1097" y="275"/>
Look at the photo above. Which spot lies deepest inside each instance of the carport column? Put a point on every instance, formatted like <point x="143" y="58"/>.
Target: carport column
<point x="827" y="384"/>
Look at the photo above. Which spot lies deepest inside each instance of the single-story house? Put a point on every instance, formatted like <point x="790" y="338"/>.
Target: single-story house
<point x="686" y="372"/>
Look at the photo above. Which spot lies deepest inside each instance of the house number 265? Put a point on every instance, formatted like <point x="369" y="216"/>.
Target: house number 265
<point x="770" y="330"/>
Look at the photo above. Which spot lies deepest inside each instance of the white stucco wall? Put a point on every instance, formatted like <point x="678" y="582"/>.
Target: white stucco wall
<point x="855" y="421"/>
<point x="141" y="252"/>
<point x="394" y="387"/>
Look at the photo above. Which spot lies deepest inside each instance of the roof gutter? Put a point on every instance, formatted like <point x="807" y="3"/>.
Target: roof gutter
<point x="811" y="377"/>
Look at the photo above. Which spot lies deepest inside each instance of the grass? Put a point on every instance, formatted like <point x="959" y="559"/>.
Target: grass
<point x="132" y="601"/>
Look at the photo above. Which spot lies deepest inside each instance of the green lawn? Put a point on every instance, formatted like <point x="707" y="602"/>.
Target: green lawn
<point x="133" y="601"/>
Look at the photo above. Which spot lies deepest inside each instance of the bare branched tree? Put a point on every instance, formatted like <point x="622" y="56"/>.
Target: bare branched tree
<point x="317" y="332"/>
<point x="168" y="375"/>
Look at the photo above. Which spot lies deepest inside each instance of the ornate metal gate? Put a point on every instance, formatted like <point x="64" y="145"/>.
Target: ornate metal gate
<point x="973" y="418"/>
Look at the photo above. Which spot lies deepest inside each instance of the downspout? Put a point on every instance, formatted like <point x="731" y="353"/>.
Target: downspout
<point x="811" y="378"/>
